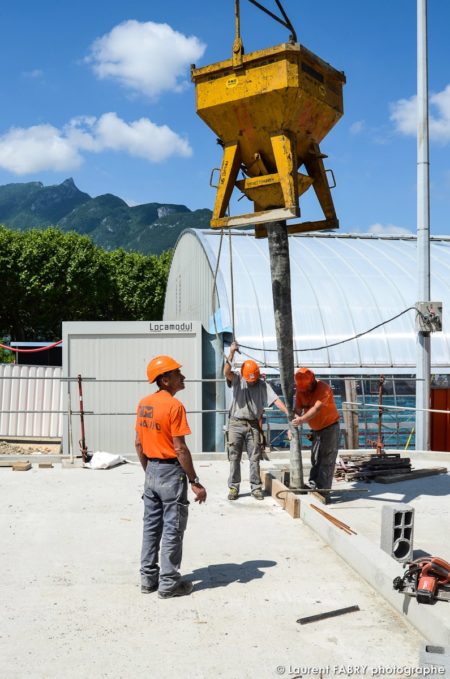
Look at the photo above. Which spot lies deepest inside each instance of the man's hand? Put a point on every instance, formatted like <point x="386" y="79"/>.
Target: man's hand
<point x="297" y="421"/>
<point x="199" y="492"/>
<point x="228" y="373"/>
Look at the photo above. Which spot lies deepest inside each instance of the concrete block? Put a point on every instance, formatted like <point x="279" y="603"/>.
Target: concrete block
<point x="434" y="658"/>
<point x="77" y="463"/>
<point x="397" y="529"/>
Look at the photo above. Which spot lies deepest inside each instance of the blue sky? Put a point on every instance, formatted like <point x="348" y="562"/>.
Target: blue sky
<point x="100" y="91"/>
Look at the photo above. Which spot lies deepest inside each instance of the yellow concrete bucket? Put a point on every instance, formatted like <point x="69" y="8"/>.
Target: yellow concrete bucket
<point x="270" y="110"/>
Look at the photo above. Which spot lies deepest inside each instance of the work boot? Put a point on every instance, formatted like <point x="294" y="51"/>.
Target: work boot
<point x="258" y="494"/>
<point x="233" y="494"/>
<point x="184" y="587"/>
<point x="145" y="589"/>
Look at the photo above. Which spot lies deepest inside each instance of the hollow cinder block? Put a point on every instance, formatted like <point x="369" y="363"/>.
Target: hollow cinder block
<point x="397" y="529"/>
<point x="436" y="658"/>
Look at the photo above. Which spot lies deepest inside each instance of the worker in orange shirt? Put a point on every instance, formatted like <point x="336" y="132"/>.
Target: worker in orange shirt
<point x="161" y="427"/>
<point x="315" y="406"/>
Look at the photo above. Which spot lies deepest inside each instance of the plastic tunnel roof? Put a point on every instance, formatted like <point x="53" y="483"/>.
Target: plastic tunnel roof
<point x="342" y="285"/>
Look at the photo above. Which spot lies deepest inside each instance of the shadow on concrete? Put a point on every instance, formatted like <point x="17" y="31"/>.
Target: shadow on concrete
<point x="223" y="574"/>
<point x="419" y="553"/>
<point x="437" y="486"/>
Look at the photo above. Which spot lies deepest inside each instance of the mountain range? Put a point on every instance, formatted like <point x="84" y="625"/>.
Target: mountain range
<point x="150" y="228"/>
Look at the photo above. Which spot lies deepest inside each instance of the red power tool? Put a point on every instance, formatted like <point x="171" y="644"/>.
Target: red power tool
<point x="427" y="579"/>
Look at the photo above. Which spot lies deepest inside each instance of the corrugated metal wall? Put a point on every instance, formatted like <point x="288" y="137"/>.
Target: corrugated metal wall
<point x="29" y="388"/>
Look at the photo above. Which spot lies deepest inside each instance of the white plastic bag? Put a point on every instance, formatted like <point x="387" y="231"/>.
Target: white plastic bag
<point x="101" y="460"/>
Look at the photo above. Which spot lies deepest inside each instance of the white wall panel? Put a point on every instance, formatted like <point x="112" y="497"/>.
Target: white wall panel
<point x="112" y="358"/>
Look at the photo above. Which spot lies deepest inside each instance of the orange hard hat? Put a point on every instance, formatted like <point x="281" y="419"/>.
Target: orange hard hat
<point x="160" y="365"/>
<point x="250" y="371"/>
<point x="304" y="379"/>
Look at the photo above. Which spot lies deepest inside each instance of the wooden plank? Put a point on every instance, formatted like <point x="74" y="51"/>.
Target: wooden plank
<point x="409" y="476"/>
<point x="279" y="492"/>
<point x="6" y="463"/>
<point x="293" y="505"/>
<point x="286" y="498"/>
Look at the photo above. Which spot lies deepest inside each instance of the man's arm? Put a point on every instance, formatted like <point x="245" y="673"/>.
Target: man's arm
<point x="140" y="453"/>
<point x="280" y="405"/>
<point x="227" y="371"/>
<point x="185" y="460"/>
<point x="309" y="414"/>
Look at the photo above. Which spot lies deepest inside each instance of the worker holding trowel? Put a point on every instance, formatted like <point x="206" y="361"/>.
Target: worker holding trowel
<point x="161" y="427"/>
<point x="251" y="395"/>
<point x="315" y="406"/>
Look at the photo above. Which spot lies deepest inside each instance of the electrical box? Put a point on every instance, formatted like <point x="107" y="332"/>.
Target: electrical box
<point x="429" y="316"/>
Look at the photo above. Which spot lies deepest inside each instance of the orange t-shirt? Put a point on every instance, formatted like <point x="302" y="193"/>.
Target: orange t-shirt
<point x="328" y="414"/>
<point x="159" y="418"/>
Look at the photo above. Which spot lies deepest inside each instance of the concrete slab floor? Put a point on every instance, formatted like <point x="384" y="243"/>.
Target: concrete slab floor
<point x="72" y="606"/>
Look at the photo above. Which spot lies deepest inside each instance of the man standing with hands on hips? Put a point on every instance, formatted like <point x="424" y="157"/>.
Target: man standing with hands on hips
<point x="161" y="427"/>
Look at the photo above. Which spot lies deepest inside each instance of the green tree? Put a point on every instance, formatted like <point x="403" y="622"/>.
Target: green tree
<point x="140" y="282"/>
<point x="49" y="276"/>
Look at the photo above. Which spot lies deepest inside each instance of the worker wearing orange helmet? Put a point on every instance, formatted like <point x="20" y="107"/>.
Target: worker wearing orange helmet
<point x="315" y="406"/>
<point x="161" y="427"/>
<point x="251" y="395"/>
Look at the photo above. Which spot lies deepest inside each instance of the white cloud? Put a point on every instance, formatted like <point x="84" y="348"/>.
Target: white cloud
<point x="35" y="73"/>
<point x="357" y="127"/>
<point x="388" y="229"/>
<point x="37" y="148"/>
<point x="140" y="138"/>
<point x="404" y="116"/>
<point x="148" y="58"/>
<point x="44" y="147"/>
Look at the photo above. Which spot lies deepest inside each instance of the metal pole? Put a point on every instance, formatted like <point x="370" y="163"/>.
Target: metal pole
<point x="423" y="369"/>
<point x="281" y="292"/>
<point x="380" y="416"/>
<point x="83" y="446"/>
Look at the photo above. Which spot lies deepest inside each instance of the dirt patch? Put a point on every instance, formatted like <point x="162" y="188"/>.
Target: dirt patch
<point x="10" y="448"/>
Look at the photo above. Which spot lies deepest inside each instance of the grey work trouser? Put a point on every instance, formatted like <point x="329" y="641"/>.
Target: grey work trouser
<point x="165" y="519"/>
<point x="325" y="446"/>
<point x="244" y="434"/>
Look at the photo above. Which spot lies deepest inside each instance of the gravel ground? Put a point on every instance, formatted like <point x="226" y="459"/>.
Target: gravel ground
<point x="9" y="448"/>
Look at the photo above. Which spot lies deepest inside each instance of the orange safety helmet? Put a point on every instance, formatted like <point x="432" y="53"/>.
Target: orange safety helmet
<point x="250" y="371"/>
<point x="304" y="379"/>
<point x="160" y="365"/>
